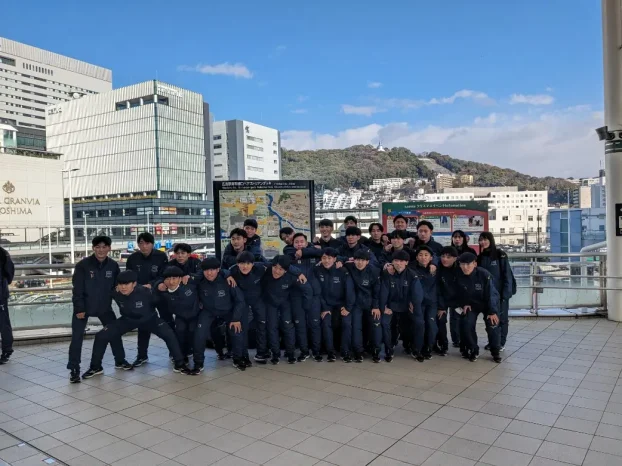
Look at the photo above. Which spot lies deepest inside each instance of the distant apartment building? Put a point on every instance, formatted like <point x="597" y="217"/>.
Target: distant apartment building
<point x="466" y="179"/>
<point x="444" y="181"/>
<point x="388" y="183"/>
<point x="33" y="81"/>
<point x="246" y="151"/>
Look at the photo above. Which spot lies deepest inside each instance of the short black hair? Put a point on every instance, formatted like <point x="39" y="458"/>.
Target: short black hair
<point x="285" y="231"/>
<point x="282" y="260"/>
<point x="245" y="257"/>
<point x="251" y="222"/>
<point x="401" y="256"/>
<point x="398" y="216"/>
<point x="449" y="251"/>
<point x="353" y="231"/>
<point x="332" y="252"/>
<point x="146" y="237"/>
<point x="172" y="271"/>
<point x="423" y="247"/>
<point x="362" y="254"/>
<point x="376" y="224"/>
<point x="325" y="222"/>
<point x="182" y="247"/>
<point x="299" y="234"/>
<point x="425" y="223"/>
<point x="127" y="276"/>
<point x="101" y="239"/>
<point x="210" y="263"/>
<point x="399" y="234"/>
<point x="238" y="232"/>
<point x="351" y="218"/>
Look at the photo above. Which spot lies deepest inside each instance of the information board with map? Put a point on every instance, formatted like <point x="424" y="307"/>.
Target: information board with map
<point x="274" y="204"/>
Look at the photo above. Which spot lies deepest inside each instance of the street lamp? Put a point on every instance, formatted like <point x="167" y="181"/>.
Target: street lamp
<point x="86" y="236"/>
<point x="71" y="233"/>
<point x="538" y="231"/>
<point x="48" y="207"/>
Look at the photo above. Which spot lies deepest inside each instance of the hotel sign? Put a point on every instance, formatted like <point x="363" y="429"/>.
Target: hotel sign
<point x="16" y="205"/>
<point x="164" y="90"/>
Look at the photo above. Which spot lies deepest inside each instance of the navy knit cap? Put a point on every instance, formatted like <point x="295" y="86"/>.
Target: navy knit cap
<point x="401" y="256"/>
<point x="467" y="258"/>
<point x="210" y="263"/>
<point x="172" y="271"/>
<point x="127" y="276"/>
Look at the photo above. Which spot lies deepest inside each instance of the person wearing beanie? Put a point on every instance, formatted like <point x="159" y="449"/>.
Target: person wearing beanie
<point x="422" y="349"/>
<point x="306" y="258"/>
<point x="401" y="296"/>
<point x="93" y="281"/>
<point x="337" y="299"/>
<point x="218" y="301"/>
<point x="477" y="294"/>
<point x="278" y="285"/>
<point x="326" y="240"/>
<point x="183" y="259"/>
<point x="137" y="306"/>
<point x="148" y="263"/>
<point x="253" y="242"/>
<point x="183" y="301"/>
<point x="446" y="275"/>
<point x="366" y="326"/>
<point x="352" y="244"/>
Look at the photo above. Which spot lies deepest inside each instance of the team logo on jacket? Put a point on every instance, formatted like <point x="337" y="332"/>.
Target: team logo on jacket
<point x="188" y="293"/>
<point x="405" y="282"/>
<point x="478" y="286"/>
<point x="92" y="272"/>
<point x="493" y="263"/>
<point x="285" y="286"/>
<point x="365" y="283"/>
<point x="257" y="281"/>
<point x="321" y="278"/>
<point x="139" y="304"/>
<point x="138" y="266"/>
<point x="154" y="268"/>
<point x="336" y="280"/>
<point x="221" y="293"/>
<point x="108" y="273"/>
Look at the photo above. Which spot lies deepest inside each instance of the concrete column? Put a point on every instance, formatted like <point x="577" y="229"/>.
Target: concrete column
<point x="612" y="64"/>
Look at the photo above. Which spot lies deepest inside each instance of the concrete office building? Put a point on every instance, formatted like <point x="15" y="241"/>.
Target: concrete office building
<point x="570" y="230"/>
<point x="246" y="151"/>
<point x="32" y="79"/>
<point x="143" y="155"/>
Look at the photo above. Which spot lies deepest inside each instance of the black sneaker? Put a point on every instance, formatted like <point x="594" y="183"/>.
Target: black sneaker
<point x="427" y="355"/>
<point x="182" y="369"/>
<point x="497" y="359"/>
<point x="92" y="372"/>
<point x="5" y="356"/>
<point x="74" y="376"/>
<point x="407" y="351"/>
<point x="195" y="371"/>
<point x="443" y="352"/>
<point x="465" y="355"/>
<point x="198" y="368"/>
<point x="418" y="357"/>
<point x="140" y="361"/>
<point x="347" y="359"/>
<point x="375" y="357"/>
<point x="239" y="364"/>
<point x="275" y="360"/>
<point x="291" y="359"/>
<point x="247" y="361"/>
<point x="261" y="359"/>
<point x="303" y="357"/>
<point x="456" y="345"/>
<point x="331" y="357"/>
<point x="223" y="356"/>
<point x="473" y="356"/>
<point x="318" y="358"/>
<point x="487" y="347"/>
<point x="388" y="357"/>
<point x="126" y="366"/>
<point x="358" y="357"/>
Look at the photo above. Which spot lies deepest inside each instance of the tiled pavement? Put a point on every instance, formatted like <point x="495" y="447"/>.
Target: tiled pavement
<point x="555" y="400"/>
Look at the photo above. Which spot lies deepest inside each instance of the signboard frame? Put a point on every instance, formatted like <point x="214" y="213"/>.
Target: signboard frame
<point x="458" y="215"/>
<point x="262" y="185"/>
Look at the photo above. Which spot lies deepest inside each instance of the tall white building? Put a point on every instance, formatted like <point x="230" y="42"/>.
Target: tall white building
<point x="32" y="79"/>
<point x="246" y="151"/>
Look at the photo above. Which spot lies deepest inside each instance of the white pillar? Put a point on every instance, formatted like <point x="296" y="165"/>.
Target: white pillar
<point x="612" y="61"/>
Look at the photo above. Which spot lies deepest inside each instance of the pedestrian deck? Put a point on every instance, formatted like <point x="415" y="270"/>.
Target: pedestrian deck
<point x="555" y="400"/>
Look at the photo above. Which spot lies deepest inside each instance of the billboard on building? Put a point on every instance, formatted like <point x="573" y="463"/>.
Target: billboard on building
<point x="273" y="203"/>
<point x="446" y="216"/>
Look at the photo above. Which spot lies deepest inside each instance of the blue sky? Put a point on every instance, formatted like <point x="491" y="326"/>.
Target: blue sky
<point x="495" y="81"/>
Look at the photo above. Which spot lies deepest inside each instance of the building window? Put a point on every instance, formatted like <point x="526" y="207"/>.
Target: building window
<point x="218" y="165"/>
<point x="219" y="176"/>
<point x="505" y="218"/>
<point x="217" y="146"/>
<point x="517" y="217"/>
<point x="501" y="230"/>
<point x="276" y="172"/>
<point x="7" y="60"/>
<point x="276" y="161"/>
<point x="254" y="157"/>
<point x="251" y="138"/>
<point x="274" y="144"/>
<point x="255" y="169"/>
<point x="511" y="230"/>
<point x="162" y="100"/>
<point x="257" y="148"/>
<point x="217" y="153"/>
<point x="148" y="100"/>
<point x="530" y="218"/>
<point x="275" y="152"/>
<point x="120" y="106"/>
<point x="218" y="137"/>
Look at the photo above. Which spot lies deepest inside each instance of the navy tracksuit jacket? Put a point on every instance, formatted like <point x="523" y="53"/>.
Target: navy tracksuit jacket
<point x="429" y="304"/>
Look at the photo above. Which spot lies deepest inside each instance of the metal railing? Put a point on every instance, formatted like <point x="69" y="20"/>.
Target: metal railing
<point x="546" y="285"/>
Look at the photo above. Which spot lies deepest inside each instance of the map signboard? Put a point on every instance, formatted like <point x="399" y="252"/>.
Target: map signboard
<point x="446" y="217"/>
<point x="274" y="204"/>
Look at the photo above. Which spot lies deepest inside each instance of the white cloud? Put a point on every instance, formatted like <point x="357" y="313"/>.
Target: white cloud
<point x="237" y="70"/>
<point x="533" y="99"/>
<point x="302" y="98"/>
<point x="299" y="111"/>
<point x="408" y="104"/>
<point x="559" y="143"/>
<point x="374" y="84"/>
<point x="360" y="110"/>
<point x="549" y="89"/>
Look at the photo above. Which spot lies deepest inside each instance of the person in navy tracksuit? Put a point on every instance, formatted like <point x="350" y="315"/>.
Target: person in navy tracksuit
<point x="337" y="299"/>
<point x="366" y="311"/>
<point x="218" y="301"/>
<point x="460" y="241"/>
<point x="476" y="294"/>
<point x="397" y="242"/>
<point x="7" y="272"/>
<point x="446" y="274"/>
<point x="497" y="263"/>
<point x="401" y="297"/>
<point x="287" y="235"/>
<point x="429" y="304"/>
<point x="183" y="301"/>
<point x="305" y="257"/>
<point x="345" y="253"/>
<point x="377" y="240"/>
<point x="326" y="240"/>
<point x="277" y="288"/>
<point x="137" y="306"/>
<point x="188" y="264"/>
<point x="425" y="238"/>
<point x="253" y="242"/>
<point x="94" y="281"/>
<point x="148" y="263"/>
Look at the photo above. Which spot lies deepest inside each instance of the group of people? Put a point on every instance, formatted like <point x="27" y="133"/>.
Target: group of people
<point x="358" y="295"/>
